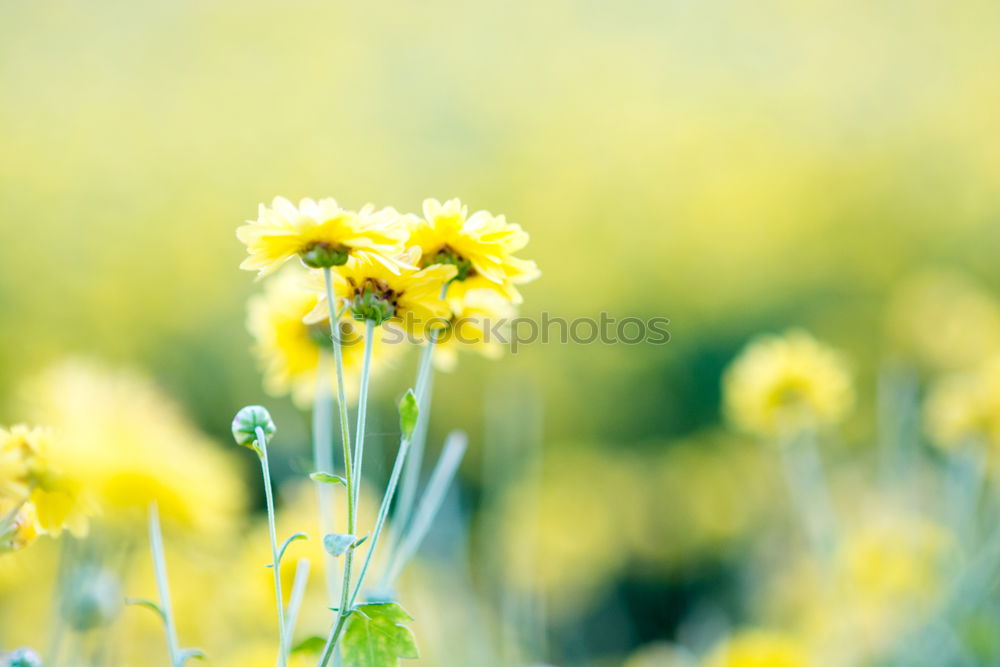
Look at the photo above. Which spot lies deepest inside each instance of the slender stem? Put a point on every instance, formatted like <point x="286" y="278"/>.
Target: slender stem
<point x="430" y="504"/>
<point x="383" y="511"/>
<point x="411" y="478"/>
<point x="162" y="586"/>
<point x="323" y="462"/>
<point x="362" y="416"/>
<point x="298" y="594"/>
<point x="275" y="566"/>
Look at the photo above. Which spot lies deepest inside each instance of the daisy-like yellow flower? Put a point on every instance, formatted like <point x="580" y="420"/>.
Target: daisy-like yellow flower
<point x="780" y="384"/>
<point x="58" y="501"/>
<point x="395" y="292"/>
<point x="480" y="246"/>
<point x="471" y="327"/>
<point x="964" y="408"/>
<point x="759" y="648"/>
<point x="320" y="233"/>
<point x="292" y="353"/>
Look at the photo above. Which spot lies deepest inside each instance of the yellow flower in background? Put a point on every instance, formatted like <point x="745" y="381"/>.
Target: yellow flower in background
<point x="781" y="383"/>
<point x="292" y="352"/>
<point x="18" y="525"/>
<point x="58" y="501"/>
<point x="759" y="648"/>
<point x="399" y="294"/>
<point x="964" y="408"/>
<point x="480" y="246"/>
<point x="470" y="327"/>
<point x="125" y="444"/>
<point x="320" y="233"/>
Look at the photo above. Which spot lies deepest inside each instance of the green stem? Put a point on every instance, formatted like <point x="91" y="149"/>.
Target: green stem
<point x="265" y="471"/>
<point x="362" y="416"/>
<point x="298" y="594"/>
<point x="411" y="478"/>
<point x="323" y="462"/>
<point x="162" y="586"/>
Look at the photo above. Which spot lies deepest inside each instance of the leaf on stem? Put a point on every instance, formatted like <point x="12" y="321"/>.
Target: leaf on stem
<point x="190" y="653"/>
<point x="408" y="412"/>
<point x="376" y="637"/>
<point x="337" y="543"/>
<point x="327" y="478"/>
<point x="148" y="604"/>
<point x="284" y="546"/>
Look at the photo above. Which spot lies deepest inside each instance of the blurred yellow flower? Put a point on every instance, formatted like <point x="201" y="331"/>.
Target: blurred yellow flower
<point x="782" y="383"/>
<point x="480" y="246"/>
<point x="964" y="408"/>
<point x="320" y="233"/>
<point x="292" y="352"/>
<point x="18" y="525"/>
<point x="759" y="648"/>
<point x="469" y="327"/>
<point x="125" y="445"/>
<point x="58" y="501"/>
<point x="405" y="295"/>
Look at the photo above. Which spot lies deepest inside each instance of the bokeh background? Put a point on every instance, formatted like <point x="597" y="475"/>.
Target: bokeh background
<point x="738" y="167"/>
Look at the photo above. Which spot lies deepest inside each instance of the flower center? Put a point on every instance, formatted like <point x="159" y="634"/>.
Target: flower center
<point x="323" y="255"/>
<point x="373" y="300"/>
<point x="447" y="255"/>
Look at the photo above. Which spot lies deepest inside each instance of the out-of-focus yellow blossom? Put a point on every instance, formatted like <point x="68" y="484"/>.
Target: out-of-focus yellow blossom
<point x="480" y="246"/>
<point x="59" y="501"/>
<point x="261" y="654"/>
<point x="945" y="319"/>
<point x="405" y="295"/>
<point x="569" y="561"/>
<point x="964" y="408"/>
<point x="292" y="352"/>
<point x="759" y="648"/>
<point x="320" y="233"/>
<point x="470" y="327"/>
<point x="126" y="445"/>
<point x="18" y="525"/>
<point x="782" y="383"/>
<point x="885" y="576"/>
<point x="712" y="510"/>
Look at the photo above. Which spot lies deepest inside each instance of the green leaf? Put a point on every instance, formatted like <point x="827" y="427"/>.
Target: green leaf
<point x="189" y="653"/>
<point x="376" y="637"/>
<point x="327" y="478"/>
<point x="408" y="412"/>
<point x="313" y="644"/>
<point x="148" y="604"/>
<point x="284" y="546"/>
<point x="337" y="543"/>
<point x="359" y="542"/>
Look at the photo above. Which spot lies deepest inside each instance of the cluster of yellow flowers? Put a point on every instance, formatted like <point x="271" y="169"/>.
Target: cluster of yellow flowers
<point x="35" y="497"/>
<point x="447" y="272"/>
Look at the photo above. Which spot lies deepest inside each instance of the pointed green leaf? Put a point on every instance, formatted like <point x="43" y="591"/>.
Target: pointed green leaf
<point x="337" y="543"/>
<point x="284" y="546"/>
<point x="148" y="604"/>
<point x="408" y="413"/>
<point x="327" y="478"/>
<point x="189" y="653"/>
<point x="376" y="637"/>
<point x="359" y="542"/>
<point x="313" y="644"/>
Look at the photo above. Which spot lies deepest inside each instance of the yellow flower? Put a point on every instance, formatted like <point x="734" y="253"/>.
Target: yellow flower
<point x="964" y="408"/>
<point x="782" y="383"/>
<point x="759" y="648"/>
<point x="58" y="500"/>
<point x="292" y="352"/>
<point x="397" y="292"/>
<point x="125" y="445"/>
<point x="320" y="233"/>
<point x="480" y="246"/>
<point x="18" y="525"/>
<point x="470" y="327"/>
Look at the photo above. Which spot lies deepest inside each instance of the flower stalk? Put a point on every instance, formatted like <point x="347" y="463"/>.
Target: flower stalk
<point x="275" y="564"/>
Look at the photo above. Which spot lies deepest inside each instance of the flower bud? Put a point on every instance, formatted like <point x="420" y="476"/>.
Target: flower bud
<point x="21" y="657"/>
<point x="247" y="421"/>
<point x="92" y="598"/>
